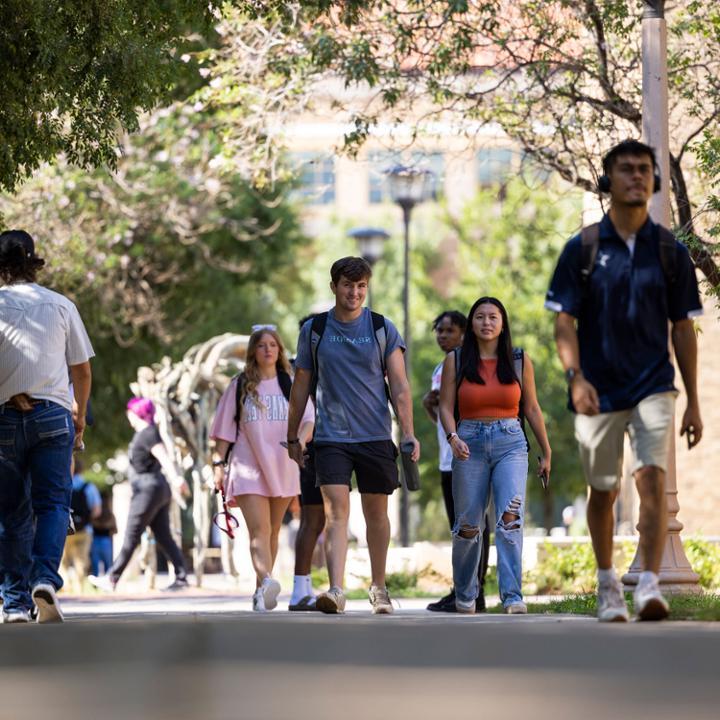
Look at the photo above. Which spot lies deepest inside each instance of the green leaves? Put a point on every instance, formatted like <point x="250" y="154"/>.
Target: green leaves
<point x="77" y="74"/>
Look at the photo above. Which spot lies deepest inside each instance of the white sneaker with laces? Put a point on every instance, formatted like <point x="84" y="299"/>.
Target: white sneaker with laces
<point x="331" y="602"/>
<point x="649" y="602"/>
<point x="270" y="590"/>
<point x="47" y="604"/>
<point x="258" y="601"/>
<point x="611" y="603"/>
<point x="380" y="601"/>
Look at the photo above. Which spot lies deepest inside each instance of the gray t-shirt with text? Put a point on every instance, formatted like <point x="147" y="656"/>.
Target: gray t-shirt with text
<point x="351" y="402"/>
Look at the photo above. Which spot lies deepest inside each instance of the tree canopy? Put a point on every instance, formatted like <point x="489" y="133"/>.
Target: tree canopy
<point x="561" y="78"/>
<point x="76" y="73"/>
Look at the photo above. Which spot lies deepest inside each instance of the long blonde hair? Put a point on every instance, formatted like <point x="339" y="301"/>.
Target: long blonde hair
<point x="251" y="374"/>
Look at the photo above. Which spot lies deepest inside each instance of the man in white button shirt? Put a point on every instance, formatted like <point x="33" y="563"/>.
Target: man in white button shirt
<point x="41" y="336"/>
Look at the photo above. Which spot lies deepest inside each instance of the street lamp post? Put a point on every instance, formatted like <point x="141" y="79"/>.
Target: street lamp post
<point x="371" y="242"/>
<point x="408" y="187"/>
<point x="676" y="574"/>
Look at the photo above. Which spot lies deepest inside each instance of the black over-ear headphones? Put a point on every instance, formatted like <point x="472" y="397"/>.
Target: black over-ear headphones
<point x="604" y="183"/>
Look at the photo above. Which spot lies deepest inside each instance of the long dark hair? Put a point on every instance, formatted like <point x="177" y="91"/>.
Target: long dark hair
<point x="470" y="353"/>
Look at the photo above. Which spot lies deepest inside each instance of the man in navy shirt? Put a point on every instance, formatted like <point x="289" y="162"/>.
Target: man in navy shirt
<point x="611" y="332"/>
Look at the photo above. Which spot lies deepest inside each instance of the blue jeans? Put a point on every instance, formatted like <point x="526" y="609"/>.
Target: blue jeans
<point x="498" y="461"/>
<point x="101" y="554"/>
<point x="35" y="481"/>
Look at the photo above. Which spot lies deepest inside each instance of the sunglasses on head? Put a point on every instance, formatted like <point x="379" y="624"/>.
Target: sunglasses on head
<point x="255" y="328"/>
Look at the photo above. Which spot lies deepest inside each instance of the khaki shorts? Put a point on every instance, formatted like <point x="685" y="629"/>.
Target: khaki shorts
<point x="600" y="438"/>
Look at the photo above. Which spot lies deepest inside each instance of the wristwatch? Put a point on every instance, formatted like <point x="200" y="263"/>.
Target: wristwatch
<point x="296" y="441"/>
<point x="219" y="463"/>
<point x="450" y="436"/>
<point x="571" y="374"/>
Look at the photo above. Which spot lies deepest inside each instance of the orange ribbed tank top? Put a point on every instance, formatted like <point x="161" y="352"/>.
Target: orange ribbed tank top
<point x="493" y="399"/>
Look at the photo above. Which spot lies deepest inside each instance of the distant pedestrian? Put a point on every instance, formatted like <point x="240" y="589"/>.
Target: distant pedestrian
<point x="346" y="353"/>
<point x="86" y="506"/>
<point x="487" y="386"/>
<point x="252" y="421"/>
<point x="616" y="286"/>
<point x="151" y="467"/>
<point x="41" y="336"/>
<point x="312" y="522"/>
<point x="449" y="328"/>
<point x="104" y="527"/>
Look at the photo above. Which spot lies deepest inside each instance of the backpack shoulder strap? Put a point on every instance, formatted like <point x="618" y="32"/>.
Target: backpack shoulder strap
<point x="316" y="333"/>
<point x="285" y="382"/>
<point x="240" y="377"/>
<point x="589" y="243"/>
<point x="668" y="253"/>
<point x="519" y="364"/>
<point x="378" y="323"/>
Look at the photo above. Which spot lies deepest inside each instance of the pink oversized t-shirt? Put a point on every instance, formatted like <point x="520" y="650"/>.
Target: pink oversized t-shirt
<point x="259" y="465"/>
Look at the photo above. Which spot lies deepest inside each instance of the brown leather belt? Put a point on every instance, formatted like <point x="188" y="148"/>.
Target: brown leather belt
<point x="23" y="402"/>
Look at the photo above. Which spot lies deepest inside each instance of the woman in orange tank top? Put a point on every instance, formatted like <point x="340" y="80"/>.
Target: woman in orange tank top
<point x="490" y="451"/>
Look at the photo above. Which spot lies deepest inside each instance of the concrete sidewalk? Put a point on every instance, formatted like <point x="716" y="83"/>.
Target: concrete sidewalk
<point x="203" y="655"/>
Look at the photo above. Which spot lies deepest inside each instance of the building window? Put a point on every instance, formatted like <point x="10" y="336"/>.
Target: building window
<point x="494" y="165"/>
<point x="380" y="161"/>
<point x="316" y="177"/>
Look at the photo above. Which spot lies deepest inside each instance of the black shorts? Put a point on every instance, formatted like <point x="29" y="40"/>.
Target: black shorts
<point x="309" y="491"/>
<point x="373" y="463"/>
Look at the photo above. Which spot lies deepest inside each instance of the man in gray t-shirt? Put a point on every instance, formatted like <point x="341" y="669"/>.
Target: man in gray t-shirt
<point x="353" y="431"/>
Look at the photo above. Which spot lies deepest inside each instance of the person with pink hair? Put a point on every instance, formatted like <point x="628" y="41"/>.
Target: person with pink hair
<point x="150" y="469"/>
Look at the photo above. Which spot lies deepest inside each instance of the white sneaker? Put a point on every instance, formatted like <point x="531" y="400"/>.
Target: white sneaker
<point x="649" y="602"/>
<point x="516" y="608"/>
<point x="331" y="602"/>
<point x="611" y="603"/>
<point x="15" y="616"/>
<point x="47" y="604"/>
<point x="270" y="589"/>
<point x="380" y="601"/>
<point x="258" y="601"/>
<point x="102" y="582"/>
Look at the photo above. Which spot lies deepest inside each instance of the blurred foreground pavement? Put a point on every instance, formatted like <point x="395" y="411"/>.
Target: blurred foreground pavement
<point x="202" y="656"/>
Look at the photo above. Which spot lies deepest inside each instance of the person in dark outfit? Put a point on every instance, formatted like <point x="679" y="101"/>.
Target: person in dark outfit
<point x="151" y="495"/>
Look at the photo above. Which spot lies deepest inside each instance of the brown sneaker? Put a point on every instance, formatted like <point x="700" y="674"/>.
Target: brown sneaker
<point x="380" y="601"/>
<point x="331" y="602"/>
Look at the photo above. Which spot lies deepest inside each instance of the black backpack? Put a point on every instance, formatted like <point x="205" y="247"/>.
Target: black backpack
<point x="81" y="512"/>
<point x="590" y="242"/>
<point x="317" y="329"/>
<point x="518" y="366"/>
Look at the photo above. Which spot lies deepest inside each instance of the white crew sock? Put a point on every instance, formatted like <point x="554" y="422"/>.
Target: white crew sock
<point x="647" y="578"/>
<point x="302" y="586"/>
<point x="606" y="577"/>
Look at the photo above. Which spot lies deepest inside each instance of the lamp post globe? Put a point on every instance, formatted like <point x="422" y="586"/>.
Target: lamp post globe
<point x="371" y="242"/>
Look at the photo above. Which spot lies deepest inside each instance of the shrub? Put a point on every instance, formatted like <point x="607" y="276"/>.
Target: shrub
<point x="571" y="568"/>
<point x="704" y="557"/>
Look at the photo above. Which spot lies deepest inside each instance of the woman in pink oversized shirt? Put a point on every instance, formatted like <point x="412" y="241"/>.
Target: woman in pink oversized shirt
<point x="259" y="475"/>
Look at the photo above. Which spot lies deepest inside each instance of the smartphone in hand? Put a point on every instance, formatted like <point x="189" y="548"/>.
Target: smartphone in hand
<point x="284" y="444"/>
<point x="543" y="475"/>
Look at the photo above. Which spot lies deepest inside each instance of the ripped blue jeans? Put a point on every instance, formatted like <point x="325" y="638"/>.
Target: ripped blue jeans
<point x="498" y="461"/>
